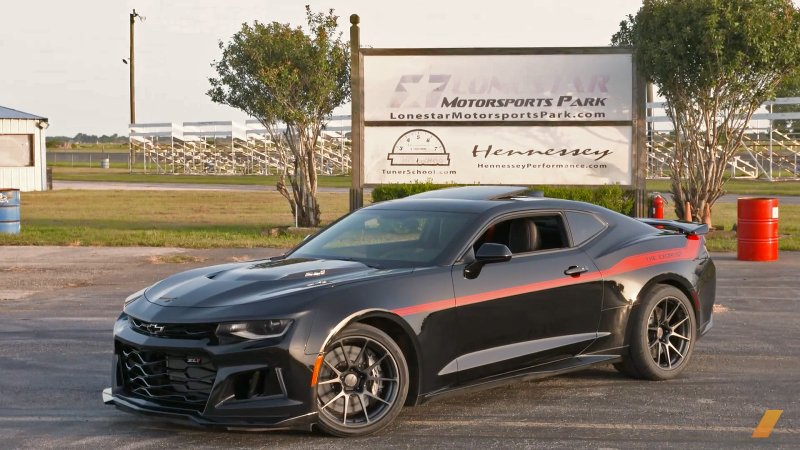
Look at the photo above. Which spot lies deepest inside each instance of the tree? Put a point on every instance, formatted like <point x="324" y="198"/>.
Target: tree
<point x="282" y="76"/>
<point x="715" y="62"/>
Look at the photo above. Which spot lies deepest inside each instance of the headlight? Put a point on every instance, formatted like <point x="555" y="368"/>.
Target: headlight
<point x="134" y="296"/>
<point x="255" y="330"/>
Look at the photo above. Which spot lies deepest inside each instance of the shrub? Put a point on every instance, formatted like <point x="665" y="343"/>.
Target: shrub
<point x="385" y="192"/>
<point x="613" y="197"/>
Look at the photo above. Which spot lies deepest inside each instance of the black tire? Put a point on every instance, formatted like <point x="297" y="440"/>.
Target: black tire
<point x="662" y="334"/>
<point x="362" y="383"/>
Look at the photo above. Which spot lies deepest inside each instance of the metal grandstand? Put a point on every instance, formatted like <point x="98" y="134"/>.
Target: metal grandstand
<point x="229" y="148"/>
<point x="770" y="146"/>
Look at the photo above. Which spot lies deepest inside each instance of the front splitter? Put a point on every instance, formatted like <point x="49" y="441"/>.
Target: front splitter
<point x="304" y="422"/>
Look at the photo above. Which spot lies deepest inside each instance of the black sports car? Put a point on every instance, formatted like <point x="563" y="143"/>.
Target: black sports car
<point x="406" y="300"/>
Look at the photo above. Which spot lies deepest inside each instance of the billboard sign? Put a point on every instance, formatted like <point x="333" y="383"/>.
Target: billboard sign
<point x="498" y="87"/>
<point x="522" y="116"/>
<point x="498" y="155"/>
<point x="498" y="116"/>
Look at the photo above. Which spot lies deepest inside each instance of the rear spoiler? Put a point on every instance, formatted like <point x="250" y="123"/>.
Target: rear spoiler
<point x="687" y="228"/>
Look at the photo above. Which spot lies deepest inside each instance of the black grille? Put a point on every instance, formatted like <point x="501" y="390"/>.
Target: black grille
<point x="170" y="379"/>
<point x="175" y="330"/>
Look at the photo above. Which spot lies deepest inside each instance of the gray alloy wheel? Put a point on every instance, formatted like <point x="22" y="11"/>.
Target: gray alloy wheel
<point x="362" y="382"/>
<point x="663" y="331"/>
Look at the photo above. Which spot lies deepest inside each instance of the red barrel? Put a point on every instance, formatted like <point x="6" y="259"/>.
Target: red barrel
<point x="757" y="229"/>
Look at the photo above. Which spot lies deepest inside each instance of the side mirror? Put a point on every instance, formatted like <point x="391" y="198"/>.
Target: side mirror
<point x="488" y="253"/>
<point x="492" y="253"/>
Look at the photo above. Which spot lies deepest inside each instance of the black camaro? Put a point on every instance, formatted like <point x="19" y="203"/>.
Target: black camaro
<point x="402" y="301"/>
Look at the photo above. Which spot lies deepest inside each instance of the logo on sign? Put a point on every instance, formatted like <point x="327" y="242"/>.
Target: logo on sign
<point x="419" y="90"/>
<point x="427" y="90"/>
<point x="419" y="148"/>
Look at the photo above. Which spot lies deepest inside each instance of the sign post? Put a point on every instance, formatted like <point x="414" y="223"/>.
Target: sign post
<point x="640" y="203"/>
<point x="357" y="117"/>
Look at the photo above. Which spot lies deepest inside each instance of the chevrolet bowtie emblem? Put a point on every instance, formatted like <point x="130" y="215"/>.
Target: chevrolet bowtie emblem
<point x="155" y="328"/>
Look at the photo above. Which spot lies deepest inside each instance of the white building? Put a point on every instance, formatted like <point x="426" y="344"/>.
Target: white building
<point x="23" y="162"/>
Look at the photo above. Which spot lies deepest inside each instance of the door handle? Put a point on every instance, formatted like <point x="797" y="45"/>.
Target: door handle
<point x="575" y="270"/>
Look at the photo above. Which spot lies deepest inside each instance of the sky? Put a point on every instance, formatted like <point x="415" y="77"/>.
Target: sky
<point x="63" y="59"/>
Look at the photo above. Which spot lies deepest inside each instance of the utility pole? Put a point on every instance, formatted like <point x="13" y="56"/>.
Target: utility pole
<point x="133" y="17"/>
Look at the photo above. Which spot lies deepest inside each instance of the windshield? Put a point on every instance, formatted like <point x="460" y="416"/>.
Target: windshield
<point x="381" y="237"/>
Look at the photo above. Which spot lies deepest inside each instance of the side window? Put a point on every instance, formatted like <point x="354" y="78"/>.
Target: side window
<point x="583" y="226"/>
<point x="527" y="234"/>
<point x="16" y="150"/>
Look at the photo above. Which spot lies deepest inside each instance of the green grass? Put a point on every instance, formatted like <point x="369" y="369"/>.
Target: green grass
<point x="162" y="218"/>
<point x="94" y="165"/>
<point x="228" y="219"/>
<point x="121" y="175"/>
<point x="723" y="216"/>
<point x="745" y="187"/>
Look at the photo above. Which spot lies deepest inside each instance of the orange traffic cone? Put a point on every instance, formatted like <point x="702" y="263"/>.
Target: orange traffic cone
<point x="707" y="216"/>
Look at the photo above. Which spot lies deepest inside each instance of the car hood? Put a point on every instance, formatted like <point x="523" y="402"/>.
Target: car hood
<point x="242" y="283"/>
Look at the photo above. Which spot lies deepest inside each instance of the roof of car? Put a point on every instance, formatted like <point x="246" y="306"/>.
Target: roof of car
<point x="474" y="192"/>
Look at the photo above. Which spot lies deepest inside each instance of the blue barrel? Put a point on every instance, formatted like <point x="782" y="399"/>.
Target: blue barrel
<point x="9" y="211"/>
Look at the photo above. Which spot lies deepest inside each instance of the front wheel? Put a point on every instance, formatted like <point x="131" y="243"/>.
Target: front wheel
<point x="362" y="383"/>
<point x="663" y="331"/>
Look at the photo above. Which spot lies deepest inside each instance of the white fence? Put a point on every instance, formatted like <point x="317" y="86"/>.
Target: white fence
<point x="229" y="148"/>
<point x="770" y="145"/>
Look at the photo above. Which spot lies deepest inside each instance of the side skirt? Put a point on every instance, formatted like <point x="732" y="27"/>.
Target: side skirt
<point x="549" y="369"/>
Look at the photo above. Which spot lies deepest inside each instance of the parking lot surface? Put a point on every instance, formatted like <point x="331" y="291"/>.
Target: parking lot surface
<point x="58" y="305"/>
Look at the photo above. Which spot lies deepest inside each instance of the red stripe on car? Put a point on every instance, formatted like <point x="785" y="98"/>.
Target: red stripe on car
<point x="627" y="264"/>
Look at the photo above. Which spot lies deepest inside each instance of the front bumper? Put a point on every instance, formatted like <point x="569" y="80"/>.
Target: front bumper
<point x="252" y="384"/>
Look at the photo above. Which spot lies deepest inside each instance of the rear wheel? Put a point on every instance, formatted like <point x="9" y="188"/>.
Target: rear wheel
<point x="362" y="383"/>
<point x="663" y="330"/>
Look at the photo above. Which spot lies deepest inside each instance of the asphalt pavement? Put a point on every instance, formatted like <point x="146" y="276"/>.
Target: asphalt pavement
<point x="58" y="305"/>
